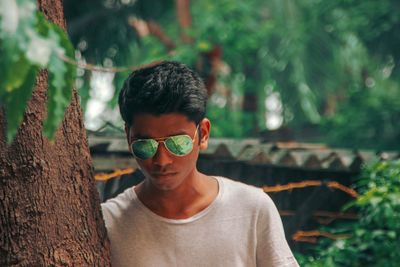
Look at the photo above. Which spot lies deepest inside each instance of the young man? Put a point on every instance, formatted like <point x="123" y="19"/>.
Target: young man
<point x="179" y="216"/>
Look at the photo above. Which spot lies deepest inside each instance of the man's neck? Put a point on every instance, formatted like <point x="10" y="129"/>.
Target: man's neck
<point x="192" y="196"/>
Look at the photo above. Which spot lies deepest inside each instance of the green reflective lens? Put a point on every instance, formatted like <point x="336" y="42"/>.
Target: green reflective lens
<point x="145" y="148"/>
<point x="179" y="145"/>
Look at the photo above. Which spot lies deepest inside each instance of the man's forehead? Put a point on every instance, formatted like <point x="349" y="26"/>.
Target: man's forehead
<point x="149" y="125"/>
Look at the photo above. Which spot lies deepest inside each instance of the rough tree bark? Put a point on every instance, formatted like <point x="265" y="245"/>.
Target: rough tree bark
<point x="49" y="207"/>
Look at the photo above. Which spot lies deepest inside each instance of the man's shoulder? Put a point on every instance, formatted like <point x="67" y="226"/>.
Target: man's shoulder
<point x="235" y="186"/>
<point x="237" y="191"/>
<point x="118" y="203"/>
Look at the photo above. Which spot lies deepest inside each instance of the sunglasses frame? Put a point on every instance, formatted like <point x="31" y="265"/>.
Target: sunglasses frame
<point x="163" y="140"/>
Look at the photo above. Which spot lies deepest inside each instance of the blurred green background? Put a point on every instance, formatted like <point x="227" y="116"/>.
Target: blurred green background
<point x="322" y="70"/>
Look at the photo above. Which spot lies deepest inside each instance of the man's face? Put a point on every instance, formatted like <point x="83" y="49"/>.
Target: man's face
<point x="164" y="170"/>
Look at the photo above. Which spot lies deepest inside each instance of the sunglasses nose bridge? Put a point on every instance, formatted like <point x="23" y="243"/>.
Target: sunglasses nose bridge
<point x="161" y="141"/>
<point x="162" y="155"/>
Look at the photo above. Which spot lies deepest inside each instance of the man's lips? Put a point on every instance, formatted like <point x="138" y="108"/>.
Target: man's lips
<point x="163" y="173"/>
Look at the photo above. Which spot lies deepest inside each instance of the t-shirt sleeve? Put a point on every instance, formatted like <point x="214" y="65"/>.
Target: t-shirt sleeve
<point x="106" y="213"/>
<point x="272" y="247"/>
<point x="110" y="212"/>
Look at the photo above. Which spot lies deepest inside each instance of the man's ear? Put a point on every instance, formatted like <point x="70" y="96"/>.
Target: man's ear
<point x="205" y="126"/>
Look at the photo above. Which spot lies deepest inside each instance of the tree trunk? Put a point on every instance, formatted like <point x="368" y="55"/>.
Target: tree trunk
<point x="49" y="207"/>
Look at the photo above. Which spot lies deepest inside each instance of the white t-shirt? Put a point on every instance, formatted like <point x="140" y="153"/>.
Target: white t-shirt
<point x="241" y="227"/>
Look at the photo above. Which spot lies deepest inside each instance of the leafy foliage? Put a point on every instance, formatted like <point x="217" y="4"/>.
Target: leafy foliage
<point x="331" y="62"/>
<point x="379" y="117"/>
<point x="375" y="236"/>
<point x="29" y="42"/>
<point x="111" y="41"/>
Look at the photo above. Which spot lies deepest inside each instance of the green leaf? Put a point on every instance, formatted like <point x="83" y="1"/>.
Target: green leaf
<point x="16" y="101"/>
<point x="61" y="81"/>
<point x="34" y="42"/>
<point x="42" y="26"/>
<point x="17" y="73"/>
<point x="13" y="66"/>
<point x="58" y="96"/>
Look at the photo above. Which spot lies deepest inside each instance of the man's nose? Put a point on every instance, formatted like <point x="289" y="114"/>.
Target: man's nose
<point x="162" y="156"/>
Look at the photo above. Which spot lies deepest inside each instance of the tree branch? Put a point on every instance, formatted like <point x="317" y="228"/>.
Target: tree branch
<point x="184" y="19"/>
<point x="144" y="28"/>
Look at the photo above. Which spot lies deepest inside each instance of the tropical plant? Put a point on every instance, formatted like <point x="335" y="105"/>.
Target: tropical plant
<point x="28" y="42"/>
<point x="375" y="235"/>
<point x="323" y="59"/>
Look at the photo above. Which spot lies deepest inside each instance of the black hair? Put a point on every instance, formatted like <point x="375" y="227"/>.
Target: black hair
<point x="162" y="88"/>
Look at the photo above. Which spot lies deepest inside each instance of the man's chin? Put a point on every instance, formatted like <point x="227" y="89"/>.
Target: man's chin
<point x="164" y="182"/>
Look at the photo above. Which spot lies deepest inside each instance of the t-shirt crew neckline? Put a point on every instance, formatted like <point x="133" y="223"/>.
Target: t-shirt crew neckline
<point x="195" y="217"/>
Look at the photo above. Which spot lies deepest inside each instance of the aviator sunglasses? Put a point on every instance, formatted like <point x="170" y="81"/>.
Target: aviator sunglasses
<point x="178" y="145"/>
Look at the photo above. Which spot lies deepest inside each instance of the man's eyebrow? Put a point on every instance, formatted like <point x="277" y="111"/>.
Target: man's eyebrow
<point x="140" y="136"/>
<point x="144" y="136"/>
